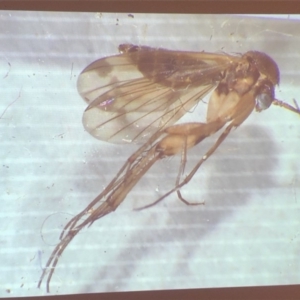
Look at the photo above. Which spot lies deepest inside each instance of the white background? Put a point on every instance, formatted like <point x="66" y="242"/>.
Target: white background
<point x="247" y="233"/>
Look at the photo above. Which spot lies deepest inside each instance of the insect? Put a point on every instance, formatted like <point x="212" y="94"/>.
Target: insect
<point x="138" y="95"/>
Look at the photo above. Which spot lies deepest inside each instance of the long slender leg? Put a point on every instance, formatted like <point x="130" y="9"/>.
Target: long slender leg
<point x="124" y="172"/>
<point x="132" y="171"/>
<point x="180" y="173"/>
<point x="192" y="173"/>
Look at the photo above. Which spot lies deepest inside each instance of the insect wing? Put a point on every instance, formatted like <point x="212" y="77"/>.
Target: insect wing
<point x="105" y="74"/>
<point x="134" y="94"/>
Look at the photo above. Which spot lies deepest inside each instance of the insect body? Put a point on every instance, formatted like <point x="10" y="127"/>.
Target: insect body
<point x="139" y="94"/>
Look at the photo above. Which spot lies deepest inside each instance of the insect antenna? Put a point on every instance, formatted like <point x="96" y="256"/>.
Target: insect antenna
<point x="287" y="106"/>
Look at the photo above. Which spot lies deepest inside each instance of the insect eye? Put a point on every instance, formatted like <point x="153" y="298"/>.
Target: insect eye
<point x="263" y="101"/>
<point x="264" y="96"/>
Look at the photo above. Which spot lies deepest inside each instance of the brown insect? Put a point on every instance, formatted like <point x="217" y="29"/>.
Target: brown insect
<point x="138" y="95"/>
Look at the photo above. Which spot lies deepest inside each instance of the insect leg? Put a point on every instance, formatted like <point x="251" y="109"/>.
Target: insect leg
<point x="132" y="162"/>
<point x="195" y="169"/>
<point x="180" y="172"/>
<point x="113" y="195"/>
<point x="53" y="259"/>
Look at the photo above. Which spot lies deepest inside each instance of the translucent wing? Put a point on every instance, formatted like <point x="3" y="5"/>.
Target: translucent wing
<point x="134" y="94"/>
